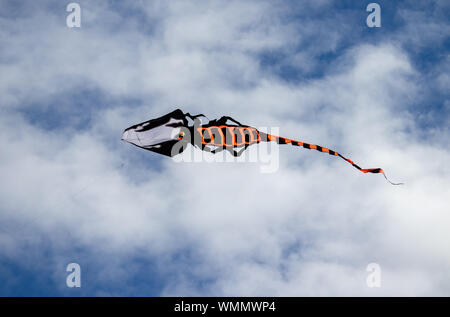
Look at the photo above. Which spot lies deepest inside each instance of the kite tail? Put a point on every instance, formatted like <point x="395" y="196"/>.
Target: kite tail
<point x="281" y="140"/>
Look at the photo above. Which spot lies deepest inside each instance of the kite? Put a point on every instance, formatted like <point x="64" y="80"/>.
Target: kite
<point x="170" y="134"/>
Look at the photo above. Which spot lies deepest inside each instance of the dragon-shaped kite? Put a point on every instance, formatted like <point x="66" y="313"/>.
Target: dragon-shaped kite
<point x="170" y="134"/>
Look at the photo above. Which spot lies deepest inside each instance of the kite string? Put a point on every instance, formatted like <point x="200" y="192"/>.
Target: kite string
<point x="390" y="181"/>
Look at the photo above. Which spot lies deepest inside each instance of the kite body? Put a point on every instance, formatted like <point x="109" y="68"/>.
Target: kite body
<point x="170" y="134"/>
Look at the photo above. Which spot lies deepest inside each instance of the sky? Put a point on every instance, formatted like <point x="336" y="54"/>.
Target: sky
<point x="140" y="224"/>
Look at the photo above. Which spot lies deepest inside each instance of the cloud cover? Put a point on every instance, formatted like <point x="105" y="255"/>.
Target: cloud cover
<point x="140" y="224"/>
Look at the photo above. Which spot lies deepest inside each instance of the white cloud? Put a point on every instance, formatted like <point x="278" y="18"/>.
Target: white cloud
<point x="309" y="229"/>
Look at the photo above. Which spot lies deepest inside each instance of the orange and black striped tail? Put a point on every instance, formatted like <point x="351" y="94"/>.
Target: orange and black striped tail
<point x="281" y="140"/>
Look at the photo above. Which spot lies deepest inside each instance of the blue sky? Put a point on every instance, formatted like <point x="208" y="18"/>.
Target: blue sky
<point x="141" y="224"/>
